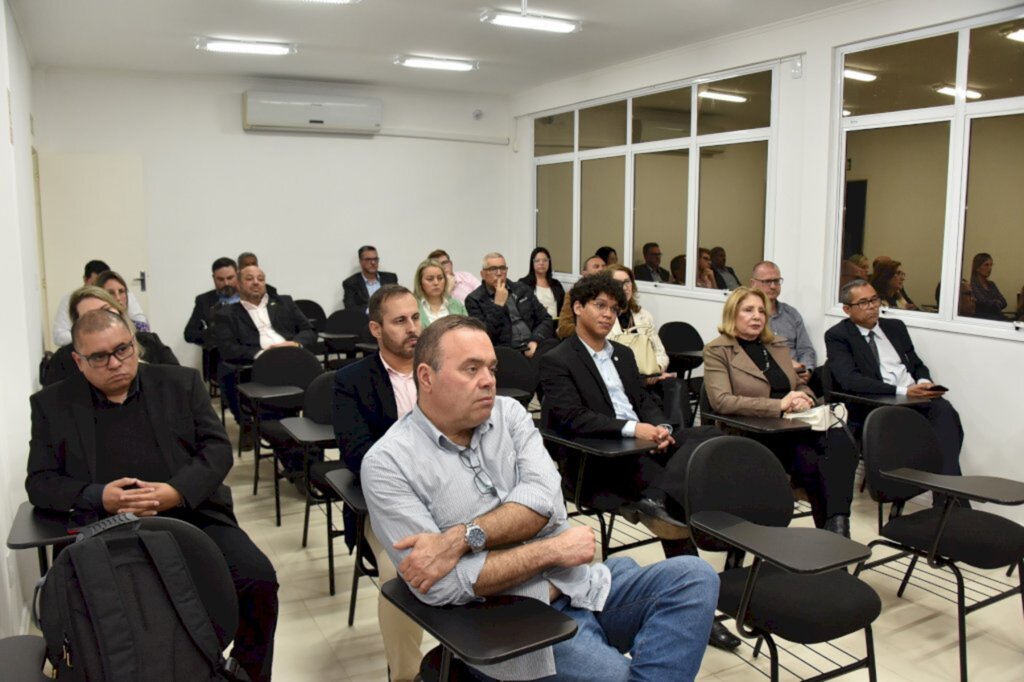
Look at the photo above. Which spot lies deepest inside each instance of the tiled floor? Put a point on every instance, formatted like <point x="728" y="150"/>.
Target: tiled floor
<point x="915" y="637"/>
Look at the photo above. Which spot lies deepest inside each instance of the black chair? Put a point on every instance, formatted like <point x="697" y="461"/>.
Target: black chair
<point x="902" y="460"/>
<point x="685" y="349"/>
<point x="516" y="375"/>
<point x="345" y="485"/>
<point x="739" y="501"/>
<point x="485" y="632"/>
<point x="314" y="312"/>
<point x="22" y="658"/>
<point x="346" y="323"/>
<point x="280" y="377"/>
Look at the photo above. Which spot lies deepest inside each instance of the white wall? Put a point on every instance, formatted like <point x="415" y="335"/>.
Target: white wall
<point x="21" y="342"/>
<point x="982" y="373"/>
<point x="303" y="203"/>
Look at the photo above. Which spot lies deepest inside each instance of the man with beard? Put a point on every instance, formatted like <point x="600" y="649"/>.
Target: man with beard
<point x="370" y="396"/>
<point x="199" y="329"/>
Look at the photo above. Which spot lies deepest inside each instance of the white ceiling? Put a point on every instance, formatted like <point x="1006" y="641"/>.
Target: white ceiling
<point x="357" y="43"/>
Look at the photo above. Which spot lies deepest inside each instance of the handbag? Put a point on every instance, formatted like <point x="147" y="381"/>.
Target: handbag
<point x="822" y="417"/>
<point x="643" y="349"/>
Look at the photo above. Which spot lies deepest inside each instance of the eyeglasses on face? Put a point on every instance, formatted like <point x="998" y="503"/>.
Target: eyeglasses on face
<point x="867" y="303"/>
<point x="102" y="359"/>
<point x="603" y="307"/>
<point x="484" y="485"/>
<point x="371" y="260"/>
<point x="776" y="282"/>
<point x="496" y="269"/>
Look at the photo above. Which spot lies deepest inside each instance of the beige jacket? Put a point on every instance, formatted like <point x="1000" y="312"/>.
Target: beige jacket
<point x="644" y="323"/>
<point x="735" y="385"/>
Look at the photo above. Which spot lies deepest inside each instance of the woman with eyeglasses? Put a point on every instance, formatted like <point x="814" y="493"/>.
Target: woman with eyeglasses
<point x="148" y="345"/>
<point x="548" y="290"/>
<point x="887" y="279"/>
<point x="749" y="372"/>
<point x="430" y="284"/>
<point x="988" y="300"/>
<point x="115" y="285"/>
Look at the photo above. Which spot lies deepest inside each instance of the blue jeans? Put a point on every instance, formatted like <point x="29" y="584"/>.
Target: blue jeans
<point x="660" y="614"/>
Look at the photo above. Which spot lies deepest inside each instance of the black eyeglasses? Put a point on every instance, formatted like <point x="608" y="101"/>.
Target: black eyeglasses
<point x="867" y="303"/>
<point x="770" y="282"/>
<point x="122" y="353"/>
<point x="495" y="269"/>
<point x="370" y="260"/>
<point x="483" y="482"/>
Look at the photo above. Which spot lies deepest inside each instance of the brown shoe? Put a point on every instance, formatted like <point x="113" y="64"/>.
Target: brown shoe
<point x="248" y="442"/>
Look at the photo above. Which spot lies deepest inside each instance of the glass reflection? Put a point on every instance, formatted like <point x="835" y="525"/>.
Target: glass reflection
<point x="603" y="126"/>
<point x="661" y="116"/>
<point x="659" y="207"/>
<point x="554" y="212"/>
<point x="903" y="76"/>
<point x="996" y="64"/>
<point x="741" y="103"/>
<point x="602" y="204"/>
<point x="553" y="134"/>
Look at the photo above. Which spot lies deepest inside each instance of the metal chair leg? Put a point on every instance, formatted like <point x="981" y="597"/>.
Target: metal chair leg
<point x="277" y="486"/>
<point x="357" y="570"/>
<point x="906" y="576"/>
<point x="330" y="547"/>
<point x="961" y="620"/>
<point x="869" y="641"/>
<point x="773" y="653"/>
<point x="305" y="522"/>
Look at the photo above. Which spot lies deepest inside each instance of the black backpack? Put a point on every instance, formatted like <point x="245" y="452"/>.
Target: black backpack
<point x="119" y="605"/>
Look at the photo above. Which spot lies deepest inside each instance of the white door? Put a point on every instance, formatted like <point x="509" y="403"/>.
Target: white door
<point x="92" y="207"/>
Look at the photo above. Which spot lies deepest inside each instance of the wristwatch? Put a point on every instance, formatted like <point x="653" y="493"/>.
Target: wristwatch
<point x="476" y="538"/>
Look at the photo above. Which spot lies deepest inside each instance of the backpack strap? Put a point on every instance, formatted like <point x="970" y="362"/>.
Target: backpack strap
<point x="166" y="556"/>
<point x="116" y="640"/>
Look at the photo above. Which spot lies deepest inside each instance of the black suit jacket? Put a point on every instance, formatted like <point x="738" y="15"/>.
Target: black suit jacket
<point x="62" y="453"/>
<point x="238" y="340"/>
<point x="364" y="408"/>
<point x="643" y="273"/>
<point x="202" y="315"/>
<point x="854" y="366"/>
<point x="151" y="349"/>
<point x="576" y="400"/>
<point x="720" y="281"/>
<point x="355" y="295"/>
<point x="480" y="304"/>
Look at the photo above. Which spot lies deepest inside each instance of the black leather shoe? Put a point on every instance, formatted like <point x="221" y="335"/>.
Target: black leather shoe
<point x="839" y="524"/>
<point x="721" y="638"/>
<point x="654" y="515"/>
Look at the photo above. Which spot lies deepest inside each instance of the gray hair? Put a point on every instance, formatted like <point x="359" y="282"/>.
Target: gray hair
<point x="846" y="293"/>
<point x="492" y="254"/>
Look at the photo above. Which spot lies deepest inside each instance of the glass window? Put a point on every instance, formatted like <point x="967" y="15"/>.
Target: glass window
<point x="900" y="77"/>
<point x="741" y="103"/>
<point x="733" y="182"/>
<point x="661" y="116"/>
<point x="553" y="134"/>
<point x="554" y="213"/>
<point x="603" y="126"/>
<point x="659" y="207"/>
<point x="602" y="204"/>
<point x="894" y="209"/>
<point x="993" y="236"/>
<point x="995" y="68"/>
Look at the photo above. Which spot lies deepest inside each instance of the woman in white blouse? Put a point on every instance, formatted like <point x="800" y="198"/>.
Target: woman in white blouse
<point x="547" y="289"/>
<point x="431" y="288"/>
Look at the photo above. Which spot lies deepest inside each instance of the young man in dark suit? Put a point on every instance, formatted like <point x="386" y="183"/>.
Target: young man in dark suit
<point x="199" y="328"/>
<point x="370" y="396"/>
<point x="358" y="288"/>
<point x="872" y="356"/>
<point x="124" y="437"/>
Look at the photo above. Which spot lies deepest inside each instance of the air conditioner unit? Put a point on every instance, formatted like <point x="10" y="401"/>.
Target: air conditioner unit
<point x="311" y="113"/>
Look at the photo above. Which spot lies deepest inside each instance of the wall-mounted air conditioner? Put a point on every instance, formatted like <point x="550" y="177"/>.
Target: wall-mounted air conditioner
<point x="311" y="113"/>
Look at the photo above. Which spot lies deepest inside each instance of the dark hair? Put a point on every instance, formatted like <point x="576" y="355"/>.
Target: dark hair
<point x="437" y="253"/>
<point x="676" y="262"/>
<point x="223" y="262"/>
<point x="976" y="263"/>
<point x="531" y="276"/>
<point x="590" y="258"/>
<point x="382" y="296"/>
<point x="246" y="254"/>
<point x="634" y="307"/>
<point x="428" y="347"/>
<point x="846" y="293"/>
<point x="588" y="288"/>
<point x="364" y="249"/>
<point x="604" y="251"/>
<point x="717" y="250"/>
<point x="94" y="267"/>
<point x="647" y="247"/>
<point x="108" y="275"/>
<point x="882" y="277"/>
<point x="96" y="321"/>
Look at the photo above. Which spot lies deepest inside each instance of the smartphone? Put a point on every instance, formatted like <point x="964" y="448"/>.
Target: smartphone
<point x="938" y="387"/>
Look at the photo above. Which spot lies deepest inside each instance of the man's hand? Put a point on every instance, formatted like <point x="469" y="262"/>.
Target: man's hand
<point x="925" y="390"/>
<point x="433" y="556"/>
<point x="531" y="348"/>
<point x="576" y="546"/>
<point x="801" y="370"/>
<point x="286" y="344"/>
<point x="658" y="434"/>
<point x="500" y="292"/>
<point x="117" y="493"/>
<point x="148" y="499"/>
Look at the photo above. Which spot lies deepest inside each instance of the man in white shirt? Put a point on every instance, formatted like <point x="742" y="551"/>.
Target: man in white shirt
<point x="62" y="320"/>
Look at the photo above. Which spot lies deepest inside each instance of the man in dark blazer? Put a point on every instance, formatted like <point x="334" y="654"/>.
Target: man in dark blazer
<point x="511" y="312"/>
<point x="369" y="396"/>
<point x="725" y="276"/>
<point x="124" y="437"/>
<point x="650" y="270"/>
<point x="199" y="328"/>
<point x="592" y="387"/>
<point x="872" y="356"/>
<point x="257" y="322"/>
<point x="358" y="288"/>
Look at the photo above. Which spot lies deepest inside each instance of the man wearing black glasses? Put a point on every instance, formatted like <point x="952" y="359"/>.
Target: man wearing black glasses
<point x="357" y="289"/>
<point x="128" y="437"/>
<point x="468" y="503"/>
<point x="873" y="356"/>
<point x="785" y="321"/>
<point x="510" y="311"/>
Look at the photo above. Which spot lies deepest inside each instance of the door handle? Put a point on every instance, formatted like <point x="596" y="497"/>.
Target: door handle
<point x="141" y="279"/>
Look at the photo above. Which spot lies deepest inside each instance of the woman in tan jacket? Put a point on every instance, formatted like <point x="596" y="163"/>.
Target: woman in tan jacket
<point x="749" y="372"/>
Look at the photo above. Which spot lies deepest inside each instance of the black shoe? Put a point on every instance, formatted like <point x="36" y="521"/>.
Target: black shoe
<point x="248" y="442"/>
<point x="721" y="638"/>
<point x="839" y="524"/>
<point x="654" y="515"/>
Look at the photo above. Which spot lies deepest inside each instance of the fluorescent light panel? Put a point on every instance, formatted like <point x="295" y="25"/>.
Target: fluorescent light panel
<point x="244" y="46"/>
<point x="723" y="96"/>
<point x="333" y="2"/>
<point x="856" y="75"/>
<point x="535" y="22"/>
<point x="1017" y="35"/>
<point x="952" y="92"/>
<point x="416" y="62"/>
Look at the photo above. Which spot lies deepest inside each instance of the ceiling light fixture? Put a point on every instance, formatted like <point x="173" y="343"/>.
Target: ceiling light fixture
<point x="846" y="112"/>
<point x="244" y="46"/>
<point x="953" y="92"/>
<point x="333" y="2"/>
<point x="1016" y="34"/>
<point x="535" y="22"/>
<point x="439" y="63"/>
<point x="723" y="96"/>
<point x="856" y="75"/>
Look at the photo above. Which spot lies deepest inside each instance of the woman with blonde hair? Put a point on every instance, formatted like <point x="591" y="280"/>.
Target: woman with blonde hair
<point x="748" y="371"/>
<point x="430" y="285"/>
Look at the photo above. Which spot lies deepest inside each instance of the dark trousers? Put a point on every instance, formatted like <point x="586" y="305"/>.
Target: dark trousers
<point x="227" y="377"/>
<point x="256" y="586"/>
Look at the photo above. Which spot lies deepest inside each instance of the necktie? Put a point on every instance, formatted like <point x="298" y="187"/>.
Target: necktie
<point x="874" y="347"/>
